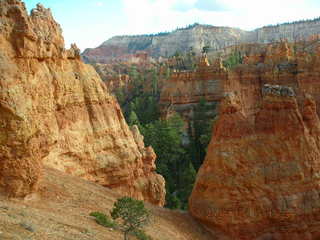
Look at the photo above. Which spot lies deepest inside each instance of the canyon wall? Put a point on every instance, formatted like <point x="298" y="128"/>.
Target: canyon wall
<point x="260" y="180"/>
<point x="56" y="111"/>
<point x="291" y="64"/>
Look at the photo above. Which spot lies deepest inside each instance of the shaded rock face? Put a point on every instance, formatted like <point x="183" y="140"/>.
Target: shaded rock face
<point x="56" y="111"/>
<point x="260" y="179"/>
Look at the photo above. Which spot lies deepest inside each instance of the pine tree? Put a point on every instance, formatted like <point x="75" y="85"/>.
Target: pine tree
<point x="201" y="134"/>
<point x="154" y="83"/>
<point x="132" y="213"/>
<point x="133" y="119"/>
<point x="165" y="137"/>
<point x="188" y="178"/>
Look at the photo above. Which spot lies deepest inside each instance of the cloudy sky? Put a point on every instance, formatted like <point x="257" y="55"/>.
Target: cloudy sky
<point x="90" y="22"/>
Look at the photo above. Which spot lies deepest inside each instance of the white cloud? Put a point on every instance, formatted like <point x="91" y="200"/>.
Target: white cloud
<point x="145" y="16"/>
<point x="99" y="4"/>
<point x="251" y="14"/>
<point x="152" y="16"/>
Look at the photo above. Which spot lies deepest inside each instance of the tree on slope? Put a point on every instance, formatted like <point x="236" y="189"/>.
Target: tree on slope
<point x="132" y="214"/>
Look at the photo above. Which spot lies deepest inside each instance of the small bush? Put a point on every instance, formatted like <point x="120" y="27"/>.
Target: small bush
<point x="141" y="235"/>
<point x="233" y="60"/>
<point x="103" y="220"/>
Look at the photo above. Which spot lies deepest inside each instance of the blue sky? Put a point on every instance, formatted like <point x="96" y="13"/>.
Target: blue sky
<point x="90" y="22"/>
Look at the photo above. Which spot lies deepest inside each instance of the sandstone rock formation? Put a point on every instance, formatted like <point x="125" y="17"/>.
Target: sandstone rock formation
<point x="260" y="180"/>
<point x="291" y="64"/>
<point x="184" y="89"/>
<point x="56" y="111"/>
<point x="189" y="86"/>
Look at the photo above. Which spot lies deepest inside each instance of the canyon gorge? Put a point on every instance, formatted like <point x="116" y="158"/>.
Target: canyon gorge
<point x="259" y="179"/>
<point x="67" y="148"/>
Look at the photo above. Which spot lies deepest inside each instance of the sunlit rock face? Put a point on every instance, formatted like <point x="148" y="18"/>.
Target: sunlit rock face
<point x="260" y="179"/>
<point x="55" y="111"/>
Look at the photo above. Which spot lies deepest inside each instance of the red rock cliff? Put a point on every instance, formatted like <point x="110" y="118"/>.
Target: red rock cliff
<point x="56" y="111"/>
<point x="260" y="180"/>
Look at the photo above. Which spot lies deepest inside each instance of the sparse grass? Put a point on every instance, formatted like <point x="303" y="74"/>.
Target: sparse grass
<point x="103" y="220"/>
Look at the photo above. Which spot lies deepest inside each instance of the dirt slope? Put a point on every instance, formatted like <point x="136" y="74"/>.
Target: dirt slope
<point x="60" y="210"/>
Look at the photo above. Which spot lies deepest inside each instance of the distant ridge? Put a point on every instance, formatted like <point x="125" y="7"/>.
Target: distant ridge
<point x="294" y="22"/>
<point x="196" y="36"/>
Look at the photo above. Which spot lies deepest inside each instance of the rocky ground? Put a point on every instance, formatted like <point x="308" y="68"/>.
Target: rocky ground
<point x="60" y="210"/>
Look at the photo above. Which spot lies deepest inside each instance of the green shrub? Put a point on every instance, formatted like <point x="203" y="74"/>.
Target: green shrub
<point x="103" y="220"/>
<point x="141" y="235"/>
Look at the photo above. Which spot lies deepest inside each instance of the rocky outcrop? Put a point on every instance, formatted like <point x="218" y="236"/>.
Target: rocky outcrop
<point x="184" y="89"/>
<point x="56" y="111"/>
<point x="260" y="180"/>
<point x="197" y="36"/>
<point x="189" y="86"/>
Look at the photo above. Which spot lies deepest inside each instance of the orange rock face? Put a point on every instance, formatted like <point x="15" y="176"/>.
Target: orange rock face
<point x="260" y="179"/>
<point x="190" y="86"/>
<point x="56" y="111"/>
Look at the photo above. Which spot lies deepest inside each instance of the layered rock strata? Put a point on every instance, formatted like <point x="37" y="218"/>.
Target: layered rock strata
<point x="260" y="180"/>
<point x="56" y="111"/>
<point x="295" y="65"/>
<point x="184" y="89"/>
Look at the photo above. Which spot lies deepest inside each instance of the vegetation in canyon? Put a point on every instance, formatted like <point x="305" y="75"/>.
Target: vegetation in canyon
<point x="180" y="147"/>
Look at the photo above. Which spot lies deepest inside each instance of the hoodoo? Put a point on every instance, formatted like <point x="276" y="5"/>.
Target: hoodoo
<point x="261" y="180"/>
